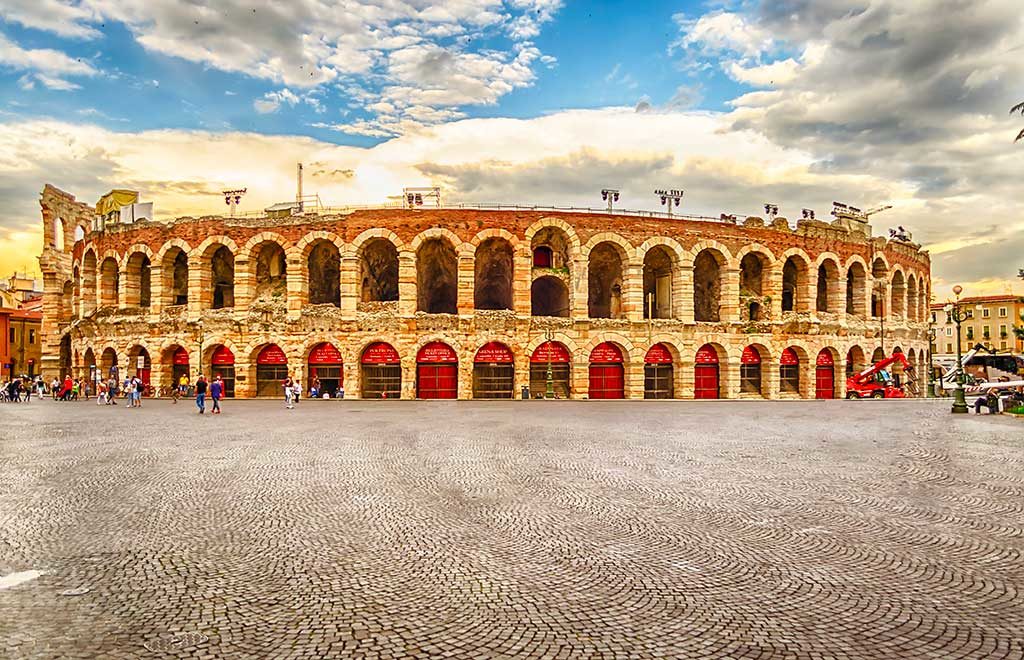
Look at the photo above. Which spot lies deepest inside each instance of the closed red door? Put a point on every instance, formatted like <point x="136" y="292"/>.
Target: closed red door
<point x="606" y="381"/>
<point x="824" y="383"/>
<point x="705" y="381"/>
<point x="437" y="381"/>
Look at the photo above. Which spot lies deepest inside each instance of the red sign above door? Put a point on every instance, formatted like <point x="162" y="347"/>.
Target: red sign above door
<point x="380" y="353"/>
<point x="324" y="353"/>
<point x="271" y="354"/>
<point x="550" y="351"/>
<point x="707" y="355"/>
<point x="494" y="352"/>
<point x="436" y="351"/>
<point x="789" y="356"/>
<point x="223" y="355"/>
<point x="181" y="356"/>
<point x="658" y="354"/>
<point x="606" y="353"/>
<point x="825" y="359"/>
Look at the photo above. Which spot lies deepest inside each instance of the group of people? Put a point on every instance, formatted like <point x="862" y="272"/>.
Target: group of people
<point x="995" y="400"/>
<point x="215" y="389"/>
<point x="20" y="389"/>
<point x="316" y="391"/>
<point x="132" y="389"/>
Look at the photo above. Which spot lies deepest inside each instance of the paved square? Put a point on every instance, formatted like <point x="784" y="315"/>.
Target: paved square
<point x="511" y="529"/>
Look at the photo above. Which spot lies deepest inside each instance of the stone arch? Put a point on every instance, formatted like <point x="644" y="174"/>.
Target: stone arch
<point x="630" y="353"/>
<point x="378" y="258"/>
<point x="438" y="233"/>
<point x="606" y="279"/>
<point x="137" y="267"/>
<point x="493" y="273"/>
<point x="755" y="267"/>
<point x="912" y="298"/>
<point x="795" y="266"/>
<point x="856" y="287"/>
<point x="65" y="309"/>
<point x="437" y="273"/>
<point x="540" y="231"/>
<point x="173" y="257"/>
<point x="267" y="267"/>
<point x="802" y="370"/>
<point x="321" y="258"/>
<point x="827" y="289"/>
<point x="354" y="248"/>
<point x="709" y="266"/>
<point x="757" y="379"/>
<point x="215" y="260"/>
<point x="897" y="293"/>
<point x="549" y="296"/>
<point x="662" y="271"/>
<point x="89" y="278"/>
<point x="486" y="234"/>
<point x="109" y="280"/>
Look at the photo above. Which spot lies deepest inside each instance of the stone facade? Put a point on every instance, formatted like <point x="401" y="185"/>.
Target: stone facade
<point x="409" y="277"/>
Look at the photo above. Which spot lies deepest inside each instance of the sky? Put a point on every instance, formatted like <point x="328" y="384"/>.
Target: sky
<point x="738" y="102"/>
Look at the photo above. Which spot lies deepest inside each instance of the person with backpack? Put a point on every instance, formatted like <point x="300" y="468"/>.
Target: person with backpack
<point x="216" y="392"/>
<point x="288" y="392"/>
<point x="201" y="394"/>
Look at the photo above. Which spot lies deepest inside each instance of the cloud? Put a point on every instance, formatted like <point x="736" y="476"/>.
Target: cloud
<point x="67" y="19"/>
<point x="407" y="52"/>
<point x="44" y="65"/>
<point x="271" y="101"/>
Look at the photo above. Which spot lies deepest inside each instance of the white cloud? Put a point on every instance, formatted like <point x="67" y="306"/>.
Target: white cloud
<point x="721" y="32"/>
<point x="65" y="18"/>
<point x="44" y="65"/>
<point x="271" y="101"/>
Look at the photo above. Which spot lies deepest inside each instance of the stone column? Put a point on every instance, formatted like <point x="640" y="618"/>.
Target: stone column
<point x="352" y="380"/>
<point x="465" y="284"/>
<point x="633" y="374"/>
<point x="351" y="287"/>
<point x="406" y="284"/>
<point x="294" y="283"/>
<point x="126" y="287"/>
<point x="729" y="298"/>
<point x="466" y="378"/>
<point x="770" y="377"/>
<point x="633" y="292"/>
<point x="684" y="299"/>
<point x="774" y="280"/>
<point x="522" y="280"/>
<point x="245" y="283"/>
<point x="579" y="378"/>
<point x="580" y="288"/>
<point x="156" y="290"/>
<point x="199" y="283"/>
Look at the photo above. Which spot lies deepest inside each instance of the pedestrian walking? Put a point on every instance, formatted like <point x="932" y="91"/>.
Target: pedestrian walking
<point x="137" y="392"/>
<point x="201" y="394"/>
<point x="288" y="392"/>
<point x="296" y="391"/>
<point x="216" y="392"/>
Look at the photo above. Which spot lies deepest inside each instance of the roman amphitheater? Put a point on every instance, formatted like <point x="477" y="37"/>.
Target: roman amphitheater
<point x="403" y="303"/>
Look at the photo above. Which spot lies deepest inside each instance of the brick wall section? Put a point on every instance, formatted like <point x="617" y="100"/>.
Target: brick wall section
<point x="297" y="327"/>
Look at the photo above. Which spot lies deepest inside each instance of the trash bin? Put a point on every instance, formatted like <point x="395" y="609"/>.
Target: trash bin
<point x="525" y="393"/>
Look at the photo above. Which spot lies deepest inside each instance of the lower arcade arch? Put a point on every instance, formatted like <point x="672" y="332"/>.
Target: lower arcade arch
<point x="222" y="364"/>
<point x="271" y="371"/>
<point x="550" y="371"/>
<point x="494" y="372"/>
<point x="325" y="372"/>
<point x="380" y="372"/>
<point x="659" y="373"/>
<point x="706" y="373"/>
<point x="606" y="373"/>
<point x="825" y="375"/>
<point x="437" y="372"/>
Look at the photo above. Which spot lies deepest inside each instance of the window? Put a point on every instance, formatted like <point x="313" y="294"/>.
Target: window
<point x="985" y="313"/>
<point x="1002" y="312"/>
<point x="31" y="336"/>
<point x="789" y="378"/>
<point x="985" y="331"/>
<point x="970" y="332"/>
<point x="949" y="332"/>
<point x="933" y="317"/>
<point x="750" y="378"/>
<point x="1002" y="344"/>
<point x="1002" y="329"/>
<point x="13" y="339"/>
<point x="949" y="348"/>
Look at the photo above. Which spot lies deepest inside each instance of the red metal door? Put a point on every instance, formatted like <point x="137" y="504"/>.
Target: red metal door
<point x="705" y="381"/>
<point x="824" y="382"/>
<point x="437" y="381"/>
<point x="606" y="381"/>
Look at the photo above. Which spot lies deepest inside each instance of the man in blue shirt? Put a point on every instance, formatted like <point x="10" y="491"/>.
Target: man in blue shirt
<point x="216" y="391"/>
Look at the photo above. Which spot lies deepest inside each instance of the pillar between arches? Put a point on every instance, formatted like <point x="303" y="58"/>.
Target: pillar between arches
<point x="728" y="302"/>
<point x="465" y="285"/>
<point x="580" y="288"/>
<point x="406" y="286"/>
<point x="350" y="286"/>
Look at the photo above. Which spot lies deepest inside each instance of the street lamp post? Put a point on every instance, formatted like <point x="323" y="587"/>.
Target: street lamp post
<point x="931" y="365"/>
<point x="956" y="315"/>
<point x="199" y="325"/>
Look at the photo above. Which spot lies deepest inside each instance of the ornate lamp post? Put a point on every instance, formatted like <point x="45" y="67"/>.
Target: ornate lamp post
<point x="199" y="333"/>
<point x="931" y="365"/>
<point x="956" y="315"/>
<point x="549" y="387"/>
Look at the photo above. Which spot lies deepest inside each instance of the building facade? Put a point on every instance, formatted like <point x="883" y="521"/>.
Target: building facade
<point x="464" y="303"/>
<point x="21" y="342"/>
<point x="992" y="321"/>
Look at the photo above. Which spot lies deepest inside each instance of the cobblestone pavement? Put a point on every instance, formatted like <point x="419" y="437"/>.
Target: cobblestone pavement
<point x="516" y="529"/>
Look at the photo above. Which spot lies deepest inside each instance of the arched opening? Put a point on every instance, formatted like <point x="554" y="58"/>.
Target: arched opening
<point x="437" y="372"/>
<point x="542" y="256"/>
<point x="856" y="283"/>
<point x="380" y="371"/>
<point x="222" y="363"/>
<point x="752" y="268"/>
<point x="270" y="272"/>
<point x="271" y="371"/>
<point x="138" y="288"/>
<point x="67" y="302"/>
<point x="222" y="278"/>
<point x="174" y="365"/>
<point x="91" y="367"/>
<point x="707" y="286"/>
<point x="550" y="248"/>
<point x="794" y="282"/>
<point x="108" y="364"/>
<point x="64" y="360"/>
<point x="854" y="361"/>
<point x="605" y="284"/>
<point x="324" y="267"/>
<point x="607" y="377"/>
<point x="878" y="355"/>
<point x="550" y="371"/>
<point x="175" y="277"/>
<point x="437" y="272"/>
<point x="58" y="234"/>
<point x="879" y="275"/>
<point x="89" y="283"/>
<point x="705" y="373"/>
<point x="658" y="268"/>
<point x="325" y="372"/>
<point x="493" y="372"/>
<point x="754" y="311"/>
<point x="789" y="372"/>
<point x="549" y="296"/>
<point x="139" y="364"/>
<point x="751" y="381"/>
<point x="109" y="283"/>
<point x="912" y="299"/>
<point x="659" y="380"/>
<point x="493" y="275"/>
<point x="825" y="375"/>
<point x="378" y="266"/>
<point x="828" y="280"/>
<point x="898" y="295"/>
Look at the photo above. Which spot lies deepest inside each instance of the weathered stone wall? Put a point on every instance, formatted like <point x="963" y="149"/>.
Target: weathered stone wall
<point x="437" y="260"/>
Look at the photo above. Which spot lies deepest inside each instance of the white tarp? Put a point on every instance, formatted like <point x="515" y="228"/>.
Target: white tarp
<point x="136" y="213"/>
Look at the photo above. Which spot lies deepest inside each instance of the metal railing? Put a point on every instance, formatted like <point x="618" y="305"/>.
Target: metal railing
<point x="484" y="206"/>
